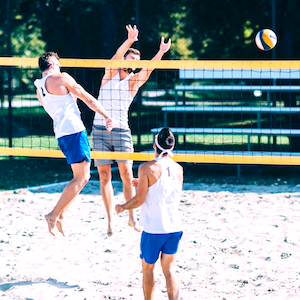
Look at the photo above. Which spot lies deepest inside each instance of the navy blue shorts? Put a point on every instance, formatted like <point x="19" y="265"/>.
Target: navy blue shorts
<point x="75" y="147"/>
<point x="153" y="244"/>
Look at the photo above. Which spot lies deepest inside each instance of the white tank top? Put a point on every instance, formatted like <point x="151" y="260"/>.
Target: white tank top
<point x="62" y="109"/>
<point x="115" y="98"/>
<point x="159" y="212"/>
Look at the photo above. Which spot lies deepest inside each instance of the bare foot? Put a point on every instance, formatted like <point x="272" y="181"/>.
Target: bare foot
<point x="109" y="232"/>
<point x="111" y="228"/>
<point x="51" y="224"/>
<point x="133" y="223"/>
<point x="59" y="226"/>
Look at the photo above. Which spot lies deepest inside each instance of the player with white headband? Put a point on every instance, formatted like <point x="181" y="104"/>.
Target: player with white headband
<point x="163" y="151"/>
<point x="158" y="193"/>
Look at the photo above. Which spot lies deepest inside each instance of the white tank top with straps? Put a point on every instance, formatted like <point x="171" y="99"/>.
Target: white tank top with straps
<point x="62" y="109"/>
<point x="159" y="213"/>
<point x="115" y="97"/>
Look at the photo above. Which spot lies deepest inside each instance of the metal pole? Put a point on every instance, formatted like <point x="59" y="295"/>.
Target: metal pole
<point x="274" y="119"/>
<point x="9" y="70"/>
<point x="139" y="94"/>
<point x="274" y="24"/>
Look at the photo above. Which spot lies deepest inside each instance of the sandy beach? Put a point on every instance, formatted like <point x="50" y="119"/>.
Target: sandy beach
<point x="239" y="242"/>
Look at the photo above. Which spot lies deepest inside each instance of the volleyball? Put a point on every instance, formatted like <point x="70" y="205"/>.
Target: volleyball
<point x="266" y="39"/>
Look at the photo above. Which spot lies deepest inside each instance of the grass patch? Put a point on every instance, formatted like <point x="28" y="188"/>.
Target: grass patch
<point x="50" y="142"/>
<point x="21" y="97"/>
<point x="32" y="142"/>
<point x="218" y="139"/>
<point x="25" y="112"/>
<point x="195" y="141"/>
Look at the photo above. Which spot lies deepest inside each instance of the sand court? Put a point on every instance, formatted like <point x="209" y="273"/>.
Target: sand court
<point x="239" y="242"/>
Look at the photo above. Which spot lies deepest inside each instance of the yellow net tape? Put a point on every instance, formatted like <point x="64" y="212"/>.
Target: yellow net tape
<point x="189" y="158"/>
<point x="163" y="64"/>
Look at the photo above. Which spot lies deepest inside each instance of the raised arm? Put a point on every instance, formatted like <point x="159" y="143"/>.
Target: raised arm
<point x="78" y="91"/>
<point x="141" y="77"/>
<point x="131" y="38"/>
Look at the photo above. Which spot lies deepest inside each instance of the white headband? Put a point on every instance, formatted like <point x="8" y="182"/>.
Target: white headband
<point x="169" y="151"/>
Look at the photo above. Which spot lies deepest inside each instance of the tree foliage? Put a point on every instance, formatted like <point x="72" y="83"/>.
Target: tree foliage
<point x="226" y="29"/>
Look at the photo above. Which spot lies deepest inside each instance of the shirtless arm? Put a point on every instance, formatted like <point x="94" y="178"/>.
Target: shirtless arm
<point x="180" y="173"/>
<point x="141" y="192"/>
<point x="132" y="37"/>
<point x="78" y="91"/>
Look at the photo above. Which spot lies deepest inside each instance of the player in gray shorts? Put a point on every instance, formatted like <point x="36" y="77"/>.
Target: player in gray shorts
<point x="118" y="140"/>
<point x="118" y="88"/>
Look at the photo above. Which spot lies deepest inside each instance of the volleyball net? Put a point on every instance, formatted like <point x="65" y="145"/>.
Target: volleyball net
<point x="231" y="112"/>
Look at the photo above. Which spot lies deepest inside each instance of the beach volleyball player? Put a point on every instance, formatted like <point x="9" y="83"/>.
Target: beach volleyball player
<point x="158" y="193"/>
<point x="57" y="93"/>
<point x="118" y="88"/>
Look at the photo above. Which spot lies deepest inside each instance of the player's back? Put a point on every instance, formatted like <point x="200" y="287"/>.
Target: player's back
<point x="62" y="107"/>
<point x="159" y="213"/>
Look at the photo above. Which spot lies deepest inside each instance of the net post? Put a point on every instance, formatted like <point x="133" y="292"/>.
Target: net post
<point x="238" y="171"/>
<point x="249" y="143"/>
<point x="139" y="99"/>
<point x="9" y="71"/>
<point x="10" y="108"/>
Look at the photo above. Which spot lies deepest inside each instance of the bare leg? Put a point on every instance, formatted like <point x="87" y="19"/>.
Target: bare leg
<point x="148" y="280"/>
<point x="81" y="173"/>
<point x="125" y="170"/>
<point x="167" y="264"/>
<point x="107" y="195"/>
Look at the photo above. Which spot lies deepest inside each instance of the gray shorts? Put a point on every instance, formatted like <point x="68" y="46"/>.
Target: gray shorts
<point x="118" y="140"/>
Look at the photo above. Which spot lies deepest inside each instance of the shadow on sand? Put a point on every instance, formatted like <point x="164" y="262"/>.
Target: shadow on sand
<point x="63" y="285"/>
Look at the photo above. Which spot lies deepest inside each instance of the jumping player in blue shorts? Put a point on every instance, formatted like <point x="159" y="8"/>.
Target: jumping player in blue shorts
<point x="58" y="93"/>
<point x="159" y="187"/>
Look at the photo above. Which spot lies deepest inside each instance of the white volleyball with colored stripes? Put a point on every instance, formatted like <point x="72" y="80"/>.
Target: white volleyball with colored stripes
<point x="266" y="39"/>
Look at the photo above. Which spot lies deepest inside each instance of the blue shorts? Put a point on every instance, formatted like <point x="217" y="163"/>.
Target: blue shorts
<point x="153" y="244"/>
<point x="75" y="147"/>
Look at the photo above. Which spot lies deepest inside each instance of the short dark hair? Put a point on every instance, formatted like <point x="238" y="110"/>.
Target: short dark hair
<point x="165" y="139"/>
<point x="134" y="51"/>
<point x="46" y="59"/>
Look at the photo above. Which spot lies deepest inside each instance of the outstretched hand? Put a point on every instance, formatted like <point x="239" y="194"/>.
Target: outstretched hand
<point x="109" y="124"/>
<point x="135" y="182"/>
<point x="119" y="209"/>
<point x="132" y="33"/>
<point x="164" y="47"/>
